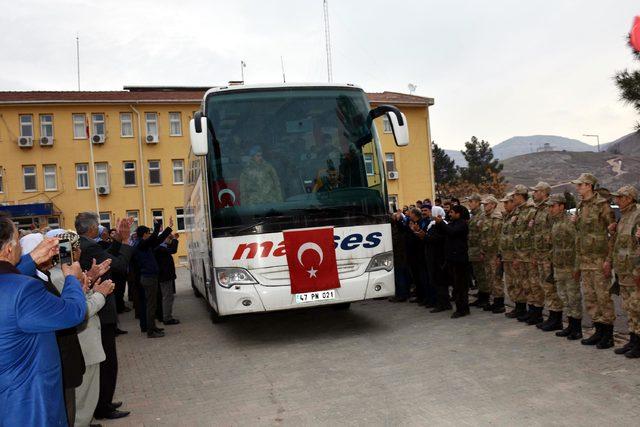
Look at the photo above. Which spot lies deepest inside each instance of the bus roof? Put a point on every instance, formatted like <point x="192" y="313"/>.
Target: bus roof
<point x="242" y="87"/>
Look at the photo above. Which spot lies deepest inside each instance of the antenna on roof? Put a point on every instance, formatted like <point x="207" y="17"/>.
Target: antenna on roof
<point x="78" y="58"/>
<point x="412" y="88"/>
<point x="284" y="79"/>
<point x="327" y="37"/>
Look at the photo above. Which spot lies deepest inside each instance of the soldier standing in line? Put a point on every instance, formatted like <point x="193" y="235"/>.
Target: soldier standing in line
<point x="490" y="245"/>
<point x="475" y="256"/>
<point x="541" y="227"/>
<point x="593" y="266"/>
<point x="625" y="261"/>
<point x="522" y="265"/>
<point x="507" y="254"/>
<point x="563" y="258"/>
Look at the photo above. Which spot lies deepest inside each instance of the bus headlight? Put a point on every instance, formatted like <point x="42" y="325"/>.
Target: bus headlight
<point x="228" y="277"/>
<point x="383" y="261"/>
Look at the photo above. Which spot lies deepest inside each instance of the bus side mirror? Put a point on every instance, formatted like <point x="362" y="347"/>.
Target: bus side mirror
<point x="199" y="133"/>
<point x="400" y="131"/>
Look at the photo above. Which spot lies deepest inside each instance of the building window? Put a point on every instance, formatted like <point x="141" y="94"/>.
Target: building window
<point x="178" y="171"/>
<point x="26" y="125"/>
<point x="158" y="217"/>
<point x="53" y="222"/>
<point x="154" y="172"/>
<point x="82" y="176"/>
<point x="151" y="120"/>
<point x="79" y="126"/>
<point x="180" y="219"/>
<point x="368" y="163"/>
<point x="175" y="124"/>
<point x="126" y="125"/>
<point x="393" y="203"/>
<point x="136" y="219"/>
<point x="102" y="175"/>
<point x="386" y="124"/>
<point x="129" y="173"/>
<point x="105" y="219"/>
<point x="46" y="125"/>
<point x="390" y="160"/>
<point x="1" y="180"/>
<point x="50" y="178"/>
<point x="29" y="178"/>
<point x="97" y="124"/>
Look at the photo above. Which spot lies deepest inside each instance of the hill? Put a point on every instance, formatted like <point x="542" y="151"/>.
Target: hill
<point x="559" y="168"/>
<point x="628" y="145"/>
<point x="457" y="157"/>
<point x="519" y="145"/>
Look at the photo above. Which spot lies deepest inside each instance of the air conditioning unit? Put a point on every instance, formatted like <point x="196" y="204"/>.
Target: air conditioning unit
<point x="25" y="142"/>
<point x="46" y="141"/>
<point x="393" y="175"/>
<point x="97" y="139"/>
<point x="152" y="139"/>
<point x="103" y="191"/>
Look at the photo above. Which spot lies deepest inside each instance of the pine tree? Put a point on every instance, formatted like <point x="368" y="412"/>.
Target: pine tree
<point x="481" y="167"/>
<point x="444" y="167"/>
<point x="629" y="84"/>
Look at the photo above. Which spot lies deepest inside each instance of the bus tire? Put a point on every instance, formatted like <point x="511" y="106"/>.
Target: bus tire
<point x="342" y="306"/>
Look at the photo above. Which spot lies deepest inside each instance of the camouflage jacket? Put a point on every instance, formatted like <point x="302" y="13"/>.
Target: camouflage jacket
<point x="475" y="231"/>
<point x="541" y="232"/>
<point x="490" y="237"/>
<point x="506" y="237"/>
<point x="522" y="232"/>
<point x="563" y="242"/>
<point x="259" y="183"/>
<point x="592" y="240"/>
<point x="625" y="255"/>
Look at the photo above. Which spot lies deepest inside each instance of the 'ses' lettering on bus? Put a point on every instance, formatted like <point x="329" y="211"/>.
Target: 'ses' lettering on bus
<point x="263" y="249"/>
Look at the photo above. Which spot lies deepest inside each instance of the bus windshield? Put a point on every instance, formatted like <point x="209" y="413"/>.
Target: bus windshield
<point x="287" y="157"/>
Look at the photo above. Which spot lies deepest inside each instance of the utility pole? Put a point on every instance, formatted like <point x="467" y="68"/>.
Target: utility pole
<point x="594" y="136"/>
<point x="243" y="65"/>
<point x="327" y="36"/>
<point x="284" y="78"/>
<point x="78" y="58"/>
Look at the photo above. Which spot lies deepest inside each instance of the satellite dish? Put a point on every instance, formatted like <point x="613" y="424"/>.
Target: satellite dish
<point x="412" y="88"/>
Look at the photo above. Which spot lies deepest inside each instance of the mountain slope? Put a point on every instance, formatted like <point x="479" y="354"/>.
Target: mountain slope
<point x="519" y="145"/>
<point x="628" y="145"/>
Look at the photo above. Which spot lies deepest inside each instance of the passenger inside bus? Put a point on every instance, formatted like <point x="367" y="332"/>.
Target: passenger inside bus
<point x="259" y="182"/>
<point x="328" y="179"/>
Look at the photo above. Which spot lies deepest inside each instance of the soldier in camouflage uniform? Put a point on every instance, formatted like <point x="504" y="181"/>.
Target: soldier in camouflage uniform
<point x="541" y="227"/>
<point x="490" y="246"/>
<point x="259" y="182"/>
<point x="563" y="259"/>
<point x="594" y="215"/>
<point x="625" y="261"/>
<point x="475" y="255"/>
<point x="522" y="264"/>
<point x="507" y="255"/>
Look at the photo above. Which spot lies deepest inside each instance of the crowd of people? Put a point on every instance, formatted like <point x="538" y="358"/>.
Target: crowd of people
<point x="58" y="358"/>
<point x="535" y="248"/>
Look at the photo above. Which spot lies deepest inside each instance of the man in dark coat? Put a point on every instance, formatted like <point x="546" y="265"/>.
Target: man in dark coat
<point x="167" y="276"/>
<point x="119" y="252"/>
<point x="401" y="274"/>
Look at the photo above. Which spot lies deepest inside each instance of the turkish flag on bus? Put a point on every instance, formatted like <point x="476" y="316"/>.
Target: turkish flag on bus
<point x="634" y="35"/>
<point x="311" y="257"/>
<point x="225" y="194"/>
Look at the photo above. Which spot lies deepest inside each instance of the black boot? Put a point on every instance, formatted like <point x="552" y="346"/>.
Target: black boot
<point x="628" y="346"/>
<point x="634" y="352"/>
<point x="489" y="305"/>
<point x="607" y="337"/>
<point x="525" y="316"/>
<point x="595" y="338"/>
<point x="517" y="311"/>
<point x="566" y="331"/>
<point x="554" y="322"/>
<point x="481" y="301"/>
<point x="535" y="317"/>
<point x="498" y="306"/>
<point x="576" y="329"/>
<point x="546" y="322"/>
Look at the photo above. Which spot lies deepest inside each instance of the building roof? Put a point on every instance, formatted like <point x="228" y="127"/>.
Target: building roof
<point x="162" y="95"/>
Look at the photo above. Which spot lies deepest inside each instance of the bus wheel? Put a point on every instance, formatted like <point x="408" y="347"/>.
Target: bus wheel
<point x="342" y="306"/>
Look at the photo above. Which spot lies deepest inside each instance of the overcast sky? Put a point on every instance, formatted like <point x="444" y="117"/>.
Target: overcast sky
<point x="496" y="68"/>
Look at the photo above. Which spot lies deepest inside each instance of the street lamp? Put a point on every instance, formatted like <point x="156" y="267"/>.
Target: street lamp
<point x="594" y="136"/>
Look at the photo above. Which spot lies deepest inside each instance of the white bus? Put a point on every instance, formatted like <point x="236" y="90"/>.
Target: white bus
<point x="270" y="158"/>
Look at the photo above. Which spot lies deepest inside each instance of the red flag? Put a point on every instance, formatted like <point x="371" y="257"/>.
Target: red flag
<point x="311" y="257"/>
<point x="634" y="35"/>
<point x="225" y="194"/>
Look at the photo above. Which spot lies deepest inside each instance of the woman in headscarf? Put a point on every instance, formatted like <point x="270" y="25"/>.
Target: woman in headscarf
<point x="434" y="251"/>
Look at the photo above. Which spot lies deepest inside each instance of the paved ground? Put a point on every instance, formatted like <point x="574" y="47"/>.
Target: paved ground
<point x="376" y="364"/>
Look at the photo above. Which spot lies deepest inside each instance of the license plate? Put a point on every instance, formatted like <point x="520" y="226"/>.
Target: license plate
<point x="316" y="296"/>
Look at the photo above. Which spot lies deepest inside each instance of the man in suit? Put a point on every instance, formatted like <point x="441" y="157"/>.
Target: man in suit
<point x="119" y="252"/>
<point x="31" y="380"/>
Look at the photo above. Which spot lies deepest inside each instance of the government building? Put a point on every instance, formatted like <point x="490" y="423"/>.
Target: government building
<point x="123" y="153"/>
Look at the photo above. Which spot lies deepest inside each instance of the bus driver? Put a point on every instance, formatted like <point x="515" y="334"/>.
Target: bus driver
<point x="259" y="182"/>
